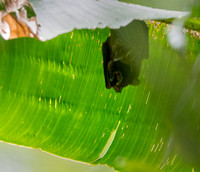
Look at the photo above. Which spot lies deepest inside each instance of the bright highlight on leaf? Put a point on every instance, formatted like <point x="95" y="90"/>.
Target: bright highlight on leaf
<point x="58" y="17"/>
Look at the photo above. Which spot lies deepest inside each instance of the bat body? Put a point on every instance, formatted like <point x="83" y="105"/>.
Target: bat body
<point x="123" y="53"/>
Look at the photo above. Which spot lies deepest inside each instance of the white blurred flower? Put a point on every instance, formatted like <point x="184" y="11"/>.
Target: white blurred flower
<point x="176" y="37"/>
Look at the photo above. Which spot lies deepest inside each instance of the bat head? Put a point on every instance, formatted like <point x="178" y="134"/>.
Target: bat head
<point x="120" y="75"/>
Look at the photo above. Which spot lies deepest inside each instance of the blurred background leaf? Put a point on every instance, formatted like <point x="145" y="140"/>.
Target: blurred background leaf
<point x="196" y="9"/>
<point x="192" y="6"/>
<point x="179" y="5"/>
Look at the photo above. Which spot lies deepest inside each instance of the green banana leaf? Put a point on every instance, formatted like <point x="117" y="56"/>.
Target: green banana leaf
<point x="53" y="97"/>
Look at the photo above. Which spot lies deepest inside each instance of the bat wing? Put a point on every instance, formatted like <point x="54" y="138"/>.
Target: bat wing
<point x="130" y="44"/>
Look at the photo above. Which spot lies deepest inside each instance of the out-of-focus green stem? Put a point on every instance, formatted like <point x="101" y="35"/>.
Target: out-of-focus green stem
<point x="192" y="23"/>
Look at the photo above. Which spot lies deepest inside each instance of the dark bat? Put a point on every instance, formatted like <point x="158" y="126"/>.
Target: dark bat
<point x="123" y="53"/>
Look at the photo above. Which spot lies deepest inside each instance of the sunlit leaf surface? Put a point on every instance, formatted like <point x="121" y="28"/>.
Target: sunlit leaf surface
<point x="53" y="97"/>
<point x="57" y="17"/>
